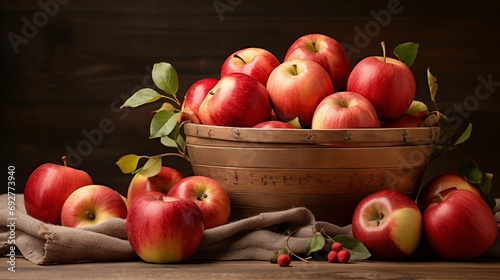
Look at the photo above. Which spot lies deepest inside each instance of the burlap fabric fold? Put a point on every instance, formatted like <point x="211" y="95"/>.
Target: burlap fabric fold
<point x="254" y="238"/>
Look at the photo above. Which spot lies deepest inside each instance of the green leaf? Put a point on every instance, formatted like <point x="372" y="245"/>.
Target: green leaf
<point x="416" y="107"/>
<point x="465" y="135"/>
<point x="316" y="243"/>
<point x="151" y="167"/>
<point x="433" y="86"/>
<point x="166" y="107"/>
<point x="355" y="247"/>
<point x="128" y="163"/>
<point x="471" y="173"/>
<point x="407" y="52"/>
<point x="274" y="257"/>
<point x="141" y="97"/>
<point x="165" y="77"/>
<point x="168" y="142"/>
<point x="163" y="123"/>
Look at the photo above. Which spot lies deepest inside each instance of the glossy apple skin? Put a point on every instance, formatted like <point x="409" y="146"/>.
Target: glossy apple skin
<point x="256" y="62"/>
<point x="390" y="85"/>
<point x="238" y="100"/>
<point x="195" y="94"/>
<point x="345" y="110"/>
<point x="461" y="226"/>
<point x="296" y="87"/>
<point x="48" y="187"/>
<point x="210" y="196"/>
<point x="389" y="224"/>
<point x="326" y="51"/>
<point x="405" y="120"/>
<point x="92" y="205"/>
<point x="161" y="182"/>
<point x="273" y="124"/>
<point x="164" y="229"/>
<point x="440" y="183"/>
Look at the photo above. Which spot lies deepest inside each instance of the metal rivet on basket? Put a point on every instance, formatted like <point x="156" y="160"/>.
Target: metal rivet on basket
<point x="405" y="135"/>
<point x="348" y="136"/>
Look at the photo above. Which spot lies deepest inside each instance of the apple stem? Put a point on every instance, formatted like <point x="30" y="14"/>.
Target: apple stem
<point x="295" y="69"/>
<point x="383" y="50"/>
<point x="239" y="57"/>
<point x="89" y="215"/>
<point x="65" y="160"/>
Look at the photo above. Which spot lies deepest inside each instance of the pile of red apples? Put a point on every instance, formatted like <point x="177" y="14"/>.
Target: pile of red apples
<point x="313" y="87"/>
<point x="165" y="215"/>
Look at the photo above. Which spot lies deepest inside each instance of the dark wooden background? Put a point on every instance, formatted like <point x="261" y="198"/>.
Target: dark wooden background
<point x="85" y="57"/>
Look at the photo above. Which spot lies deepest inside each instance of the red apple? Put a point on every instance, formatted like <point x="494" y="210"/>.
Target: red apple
<point x="344" y="110"/>
<point x="440" y="183"/>
<point x="326" y="51"/>
<point x="296" y="87"/>
<point x="238" y="100"/>
<point x="405" y="120"/>
<point x="210" y="196"/>
<point x="389" y="224"/>
<point x="163" y="229"/>
<point x="161" y="182"/>
<point x="193" y="98"/>
<point x="256" y="62"/>
<point x="387" y="82"/>
<point x="92" y="205"/>
<point x="459" y="225"/>
<point x="273" y="124"/>
<point x="48" y="187"/>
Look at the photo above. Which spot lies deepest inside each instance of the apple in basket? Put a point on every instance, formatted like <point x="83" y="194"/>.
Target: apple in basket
<point x="237" y="100"/>
<point x="388" y="83"/>
<point x="459" y="225"/>
<point x="388" y="223"/>
<point x="296" y="87"/>
<point x="256" y="62"/>
<point x="273" y="124"/>
<point x="326" y="51"/>
<point x="92" y="205"/>
<point x="345" y="110"/>
<point x="164" y="229"/>
<point x="195" y="94"/>
<point x="210" y="196"/>
<point x="48" y="187"/>
<point x="161" y="182"/>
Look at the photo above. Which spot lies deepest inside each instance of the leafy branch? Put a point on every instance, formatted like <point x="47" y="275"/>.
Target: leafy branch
<point x="165" y="123"/>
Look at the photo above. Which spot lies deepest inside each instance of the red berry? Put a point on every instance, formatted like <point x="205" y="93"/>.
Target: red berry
<point x="332" y="256"/>
<point x="344" y="256"/>
<point x="284" y="260"/>
<point x="337" y="246"/>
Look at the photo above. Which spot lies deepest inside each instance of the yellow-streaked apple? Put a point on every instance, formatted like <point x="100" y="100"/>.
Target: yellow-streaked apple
<point x="163" y="229"/>
<point x="389" y="224"/>
<point x="161" y="182"/>
<point x="210" y="196"/>
<point x="344" y="110"/>
<point x="92" y="205"/>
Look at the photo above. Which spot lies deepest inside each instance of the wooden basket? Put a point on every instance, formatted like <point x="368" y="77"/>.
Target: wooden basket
<point x="327" y="171"/>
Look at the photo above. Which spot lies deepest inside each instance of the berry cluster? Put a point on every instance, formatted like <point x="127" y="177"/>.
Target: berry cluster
<point x="338" y="253"/>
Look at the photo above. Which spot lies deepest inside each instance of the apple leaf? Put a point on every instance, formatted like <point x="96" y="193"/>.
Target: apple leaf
<point x="163" y="123"/>
<point x="166" y="107"/>
<point x="151" y="167"/>
<point x="433" y="86"/>
<point x="314" y="244"/>
<point x="165" y="77"/>
<point x="480" y="179"/>
<point x="141" y="97"/>
<point x="417" y="106"/>
<point x="355" y="247"/>
<point x="274" y="257"/>
<point x="407" y="52"/>
<point x="128" y="163"/>
<point x="465" y="135"/>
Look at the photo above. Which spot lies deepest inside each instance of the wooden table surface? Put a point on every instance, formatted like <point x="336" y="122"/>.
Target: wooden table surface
<point x="481" y="269"/>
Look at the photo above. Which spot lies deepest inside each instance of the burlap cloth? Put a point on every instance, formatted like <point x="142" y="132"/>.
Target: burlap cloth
<point x="254" y="238"/>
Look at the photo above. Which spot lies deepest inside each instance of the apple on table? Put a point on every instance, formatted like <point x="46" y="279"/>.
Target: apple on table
<point x="92" y="205"/>
<point x="326" y="51"/>
<point x="48" y="187"/>
<point x="256" y="62"/>
<point x="161" y="182"/>
<point x="164" y="229"/>
<point x="389" y="224"/>
<point x="296" y="87"/>
<point x="209" y="195"/>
